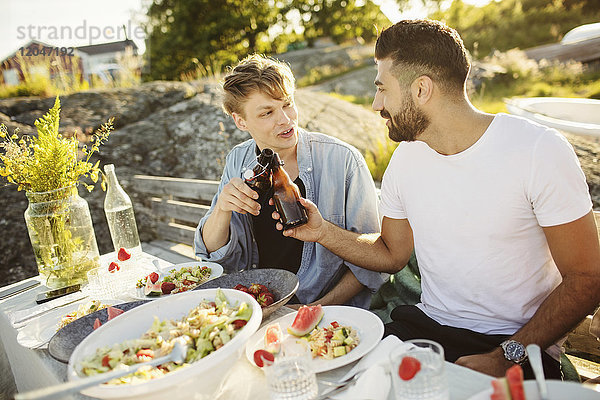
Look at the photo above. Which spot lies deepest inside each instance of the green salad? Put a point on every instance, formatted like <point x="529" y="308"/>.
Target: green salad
<point x="207" y="327"/>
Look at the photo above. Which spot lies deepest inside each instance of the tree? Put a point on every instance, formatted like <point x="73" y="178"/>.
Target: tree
<point x="183" y="36"/>
<point x="186" y="36"/>
<point x="503" y="25"/>
<point x="340" y="20"/>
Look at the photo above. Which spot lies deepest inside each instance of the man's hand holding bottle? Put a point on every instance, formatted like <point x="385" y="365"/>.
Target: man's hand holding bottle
<point x="312" y="231"/>
<point x="239" y="197"/>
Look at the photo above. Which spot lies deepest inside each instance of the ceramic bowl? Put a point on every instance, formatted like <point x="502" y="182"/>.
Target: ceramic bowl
<point x="283" y="284"/>
<point x="183" y="382"/>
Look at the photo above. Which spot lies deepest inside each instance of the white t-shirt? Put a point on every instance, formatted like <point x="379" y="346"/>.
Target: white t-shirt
<point x="477" y="219"/>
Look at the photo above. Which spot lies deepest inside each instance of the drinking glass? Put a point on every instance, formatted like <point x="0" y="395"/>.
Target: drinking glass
<point x="291" y="376"/>
<point x="103" y="284"/>
<point x="429" y="382"/>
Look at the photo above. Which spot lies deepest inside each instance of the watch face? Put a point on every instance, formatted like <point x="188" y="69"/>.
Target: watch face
<point x="515" y="350"/>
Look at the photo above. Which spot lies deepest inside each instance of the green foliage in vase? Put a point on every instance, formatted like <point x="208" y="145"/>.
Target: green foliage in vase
<point x="49" y="160"/>
<point x="48" y="168"/>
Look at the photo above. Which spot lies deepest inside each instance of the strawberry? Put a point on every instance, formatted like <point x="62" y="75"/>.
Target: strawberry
<point x="145" y="354"/>
<point x="167" y="287"/>
<point x="264" y="300"/>
<point x="255" y="288"/>
<point x="241" y="287"/>
<point x="153" y="277"/>
<point x="105" y="361"/>
<point x="239" y="323"/>
<point x="263" y="288"/>
<point x="123" y="255"/>
<point x="409" y="366"/>
<point x="263" y="357"/>
<point x="113" y="267"/>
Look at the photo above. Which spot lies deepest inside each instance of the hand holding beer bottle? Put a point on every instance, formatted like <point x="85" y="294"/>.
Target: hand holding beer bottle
<point x="259" y="178"/>
<point x="286" y="197"/>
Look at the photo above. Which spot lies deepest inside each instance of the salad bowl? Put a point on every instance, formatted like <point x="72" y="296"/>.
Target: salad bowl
<point x="200" y="377"/>
<point x="283" y="284"/>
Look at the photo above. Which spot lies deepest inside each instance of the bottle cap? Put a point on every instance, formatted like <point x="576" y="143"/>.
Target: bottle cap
<point x="248" y="175"/>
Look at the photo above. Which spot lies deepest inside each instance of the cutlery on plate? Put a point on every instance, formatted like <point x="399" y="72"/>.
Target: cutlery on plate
<point x="19" y="323"/>
<point x="177" y="355"/>
<point x="337" y="386"/>
<point x="535" y="359"/>
<point x="342" y="381"/>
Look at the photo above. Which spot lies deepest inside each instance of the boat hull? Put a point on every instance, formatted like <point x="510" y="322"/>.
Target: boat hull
<point x="579" y="116"/>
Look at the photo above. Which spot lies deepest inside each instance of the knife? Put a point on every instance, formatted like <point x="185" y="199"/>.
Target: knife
<point x="19" y="323"/>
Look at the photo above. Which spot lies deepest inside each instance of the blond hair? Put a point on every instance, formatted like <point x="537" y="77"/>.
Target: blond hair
<point x="256" y="73"/>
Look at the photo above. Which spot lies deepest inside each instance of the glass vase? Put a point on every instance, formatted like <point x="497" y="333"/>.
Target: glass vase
<point x="62" y="235"/>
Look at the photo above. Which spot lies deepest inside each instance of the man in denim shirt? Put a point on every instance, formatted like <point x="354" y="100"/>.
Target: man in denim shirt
<point x="238" y="234"/>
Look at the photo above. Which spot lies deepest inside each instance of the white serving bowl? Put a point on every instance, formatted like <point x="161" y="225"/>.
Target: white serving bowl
<point x="202" y="377"/>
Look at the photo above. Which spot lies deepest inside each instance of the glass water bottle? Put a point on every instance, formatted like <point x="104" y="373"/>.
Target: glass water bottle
<point x="119" y="214"/>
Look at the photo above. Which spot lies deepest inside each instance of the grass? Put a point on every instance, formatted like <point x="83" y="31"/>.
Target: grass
<point x="50" y="76"/>
<point x="326" y="72"/>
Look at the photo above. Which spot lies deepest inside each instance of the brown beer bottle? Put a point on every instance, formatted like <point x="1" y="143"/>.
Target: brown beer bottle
<point x="259" y="178"/>
<point x="286" y="197"/>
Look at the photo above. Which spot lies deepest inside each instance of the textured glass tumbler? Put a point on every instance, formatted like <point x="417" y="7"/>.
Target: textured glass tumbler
<point x="292" y="378"/>
<point x="423" y="374"/>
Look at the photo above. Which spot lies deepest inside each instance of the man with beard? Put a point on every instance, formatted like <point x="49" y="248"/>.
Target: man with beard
<point x="496" y="208"/>
<point x="258" y="93"/>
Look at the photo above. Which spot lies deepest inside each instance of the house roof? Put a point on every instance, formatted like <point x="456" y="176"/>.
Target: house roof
<point x="103" y="48"/>
<point x="14" y="53"/>
<point x="581" y="51"/>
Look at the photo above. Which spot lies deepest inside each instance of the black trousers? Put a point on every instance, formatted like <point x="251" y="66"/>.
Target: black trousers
<point x="409" y="322"/>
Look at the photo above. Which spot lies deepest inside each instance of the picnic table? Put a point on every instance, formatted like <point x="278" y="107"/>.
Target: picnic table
<point x="36" y="368"/>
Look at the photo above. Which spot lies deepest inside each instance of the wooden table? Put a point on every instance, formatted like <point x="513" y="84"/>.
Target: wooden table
<point x="34" y="369"/>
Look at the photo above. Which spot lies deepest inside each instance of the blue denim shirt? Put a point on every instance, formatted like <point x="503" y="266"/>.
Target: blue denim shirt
<point x="338" y="181"/>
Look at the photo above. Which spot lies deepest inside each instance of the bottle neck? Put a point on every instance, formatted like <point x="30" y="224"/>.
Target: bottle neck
<point x="112" y="180"/>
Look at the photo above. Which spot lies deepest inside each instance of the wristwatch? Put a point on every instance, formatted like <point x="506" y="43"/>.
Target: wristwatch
<point x="514" y="351"/>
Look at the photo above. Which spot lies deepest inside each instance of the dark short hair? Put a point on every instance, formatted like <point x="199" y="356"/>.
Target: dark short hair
<point x="256" y="73"/>
<point x="425" y="47"/>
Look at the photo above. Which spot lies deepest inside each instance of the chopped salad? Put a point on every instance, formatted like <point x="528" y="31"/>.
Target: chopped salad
<point x="206" y="328"/>
<point x="82" y="311"/>
<point x="176" y="281"/>
<point x="332" y="341"/>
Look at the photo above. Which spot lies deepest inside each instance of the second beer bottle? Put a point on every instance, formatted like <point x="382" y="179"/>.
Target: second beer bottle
<point x="259" y="178"/>
<point x="286" y="197"/>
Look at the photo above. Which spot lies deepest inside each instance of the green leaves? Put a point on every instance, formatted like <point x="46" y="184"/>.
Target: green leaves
<point x="49" y="160"/>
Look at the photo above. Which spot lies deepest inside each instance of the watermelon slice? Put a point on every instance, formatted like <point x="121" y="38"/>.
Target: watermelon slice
<point x="152" y="289"/>
<point x="307" y="318"/>
<point x="514" y="376"/>
<point x="113" y="312"/>
<point x="273" y="338"/>
<point x="501" y="390"/>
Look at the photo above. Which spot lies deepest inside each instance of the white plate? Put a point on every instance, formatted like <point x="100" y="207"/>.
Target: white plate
<point x="368" y="326"/>
<point x="216" y="270"/>
<point x="557" y="390"/>
<point x="200" y="377"/>
<point x="38" y="332"/>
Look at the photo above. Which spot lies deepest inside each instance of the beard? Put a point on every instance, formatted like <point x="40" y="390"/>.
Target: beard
<point x="408" y="124"/>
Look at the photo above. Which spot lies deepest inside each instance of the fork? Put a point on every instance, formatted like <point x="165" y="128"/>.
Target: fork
<point x="339" y="385"/>
<point x="177" y="355"/>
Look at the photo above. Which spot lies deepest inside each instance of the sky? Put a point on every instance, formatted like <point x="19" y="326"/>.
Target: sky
<point x="68" y="22"/>
<point x="83" y="22"/>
